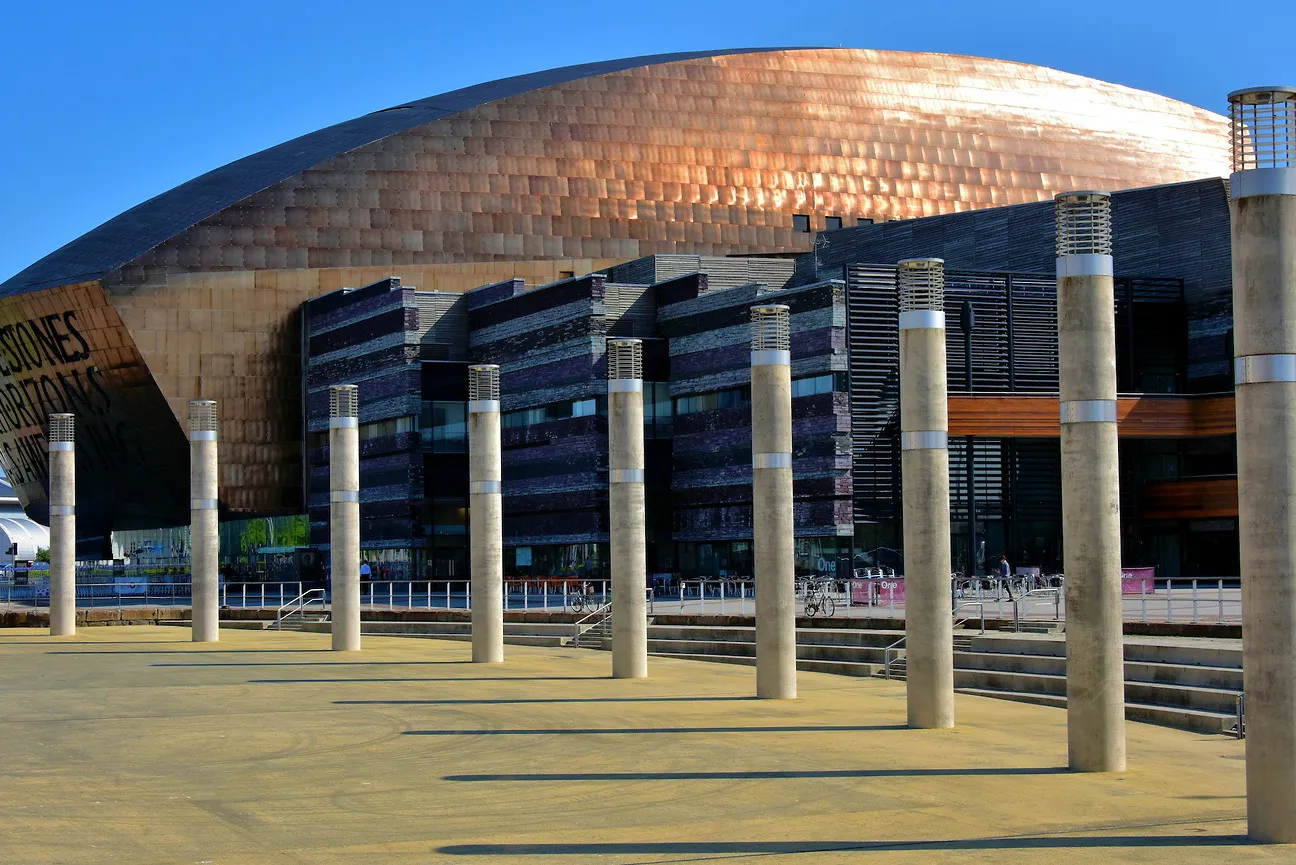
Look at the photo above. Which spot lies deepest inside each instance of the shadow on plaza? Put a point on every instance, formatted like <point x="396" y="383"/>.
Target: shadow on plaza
<point x="308" y="663"/>
<point x="636" y="731"/>
<point x="421" y="679"/>
<point x="198" y="651"/>
<point x="663" y="848"/>
<point x="539" y="700"/>
<point x="736" y="775"/>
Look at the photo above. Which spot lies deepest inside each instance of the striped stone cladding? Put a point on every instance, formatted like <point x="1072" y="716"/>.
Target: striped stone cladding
<point x="709" y="339"/>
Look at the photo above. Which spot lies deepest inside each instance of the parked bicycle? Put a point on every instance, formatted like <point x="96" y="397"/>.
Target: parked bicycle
<point x="818" y="601"/>
<point x="583" y="600"/>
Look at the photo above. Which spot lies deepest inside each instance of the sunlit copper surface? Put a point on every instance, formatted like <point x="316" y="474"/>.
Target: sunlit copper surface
<point x="710" y="156"/>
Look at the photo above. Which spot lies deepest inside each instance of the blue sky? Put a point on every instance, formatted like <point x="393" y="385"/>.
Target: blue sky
<point x="106" y="104"/>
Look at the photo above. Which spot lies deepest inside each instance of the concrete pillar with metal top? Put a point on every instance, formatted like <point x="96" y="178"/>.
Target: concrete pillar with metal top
<point x="924" y="468"/>
<point x="204" y="531"/>
<point x="1263" y="207"/>
<point x="62" y="520"/>
<point x="772" y="525"/>
<point x="629" y="546"/>
<point x="1091" y="551"/>
<point x="344" y="515"/>
<point x="485" y="514"/>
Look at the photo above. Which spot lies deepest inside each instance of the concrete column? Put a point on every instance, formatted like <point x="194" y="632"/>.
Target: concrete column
<point x="344" y="515"/>
<point x="62" y="520"/>
<point x="485" y="514"/>
<point x="1264" y="341"/>
<point x="629" y="546"/>
<point x="772" y="526"/>
<point x="1091" y="552"/>
<point x="924" y="468"/>
<point x="204" y="534"/>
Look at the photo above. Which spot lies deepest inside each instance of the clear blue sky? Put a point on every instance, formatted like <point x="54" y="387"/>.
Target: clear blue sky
<point x="106" y="104"/>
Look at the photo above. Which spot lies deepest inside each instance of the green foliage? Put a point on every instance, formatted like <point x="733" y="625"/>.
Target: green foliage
<point x="253" y="536"/>
<point x="42" y="554"/>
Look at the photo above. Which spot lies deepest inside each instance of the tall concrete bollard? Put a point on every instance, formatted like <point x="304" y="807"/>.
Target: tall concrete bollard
<point x="204" y="531"/>
<point x="62" y="518"/>
<point x="1091" y="551"/>
<point x="772" y="526"/>
<point x="924" y="467"/>
<point x="344" y="515"/>
<point x="629" y="545"/>
<point x="485" y="514"/>
<point x="1263" y="208"/>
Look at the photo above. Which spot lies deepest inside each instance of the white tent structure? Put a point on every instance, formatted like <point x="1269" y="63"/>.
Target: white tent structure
<point x="20" y="537"/>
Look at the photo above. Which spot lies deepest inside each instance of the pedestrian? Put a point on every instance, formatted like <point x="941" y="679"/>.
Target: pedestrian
<point x="364" y="572"/>
<point x="1004" y="570"/>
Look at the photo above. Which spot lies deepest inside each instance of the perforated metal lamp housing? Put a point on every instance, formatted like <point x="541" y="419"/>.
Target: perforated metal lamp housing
<point x="1262" y="127"/>
<point x="344" y="402"/>
<point x="625" y="359"/>
<point x="922" y="292"/>
<point x="484" y="387"/>
<point x="62" y="427"/>
<point x="1084" y="225"/>
<point x="202" y="415"/>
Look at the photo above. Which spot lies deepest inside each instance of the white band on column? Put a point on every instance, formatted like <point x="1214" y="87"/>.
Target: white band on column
<point x="626" y="476"/>
<point x="481" y="406"/>
<point x="922" y="319"/>
<point x="1088" y="411"/>
<point x="202" y="435"/>
<point x="484" y="487"/>
<point x="1091" y="264"/>
<point x="771" y="357"/>
<point x="344" y="422"/>
<point x="1261" y="368"/>
<point x="625" y="385"/>
<point x="62" y="510"/>
<point x="771" y="461"/>
<point x="202" y="504"/>
<point x="1262" y="181"/>
<point x="924" y="440"/>
<point x="61" y="446"/>
<point x="344" y="495"/>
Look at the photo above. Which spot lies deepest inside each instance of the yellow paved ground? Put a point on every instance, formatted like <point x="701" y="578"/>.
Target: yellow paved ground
<point x="132" y="745"/>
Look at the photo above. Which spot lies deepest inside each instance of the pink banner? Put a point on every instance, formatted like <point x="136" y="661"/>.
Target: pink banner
<point x="1137" y="581"/>
<point x="878" y="591"/>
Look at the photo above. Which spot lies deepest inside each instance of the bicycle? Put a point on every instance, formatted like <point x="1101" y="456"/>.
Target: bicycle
<point x="582" y="601"/>
<point x="817" y="601"/>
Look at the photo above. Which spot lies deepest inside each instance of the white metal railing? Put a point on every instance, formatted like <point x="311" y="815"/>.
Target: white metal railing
<point x="33" y="591"/>
<point x="597" y="620"/>
<point x="872" y="593"/>
<point x="307" y="601"/>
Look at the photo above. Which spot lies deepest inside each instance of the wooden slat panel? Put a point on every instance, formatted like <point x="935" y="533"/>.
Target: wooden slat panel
<point x="1190" y="498"/>
<point x="1002" y="415"/>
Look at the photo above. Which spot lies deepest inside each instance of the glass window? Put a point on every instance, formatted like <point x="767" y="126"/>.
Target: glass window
<point x="832" y="223"/>
<point x="801" y="223"/>
<point x="448" y="432"/>
<point x="863" y="220"/>
<point x="584" y="408"/>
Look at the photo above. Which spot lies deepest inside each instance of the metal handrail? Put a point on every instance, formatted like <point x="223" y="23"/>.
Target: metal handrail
<point x="602" y="614"/>
<point x="298" y="606"/>
<point x="1240" y="707"/>
<point x="1055" y="594"/>
<point x="886" y="657"/>
<point x="980" y="605"/>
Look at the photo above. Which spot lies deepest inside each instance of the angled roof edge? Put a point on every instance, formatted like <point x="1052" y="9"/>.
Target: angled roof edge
<point x="125" y="237"/>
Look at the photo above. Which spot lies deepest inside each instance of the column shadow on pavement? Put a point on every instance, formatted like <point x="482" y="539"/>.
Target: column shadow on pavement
<point x="664" y="848"/>
<point x="635" y="731"/>
<point x="757" y="775"/>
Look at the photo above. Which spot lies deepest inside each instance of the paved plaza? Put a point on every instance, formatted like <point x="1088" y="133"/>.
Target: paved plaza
<point x="133" y="745"/>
